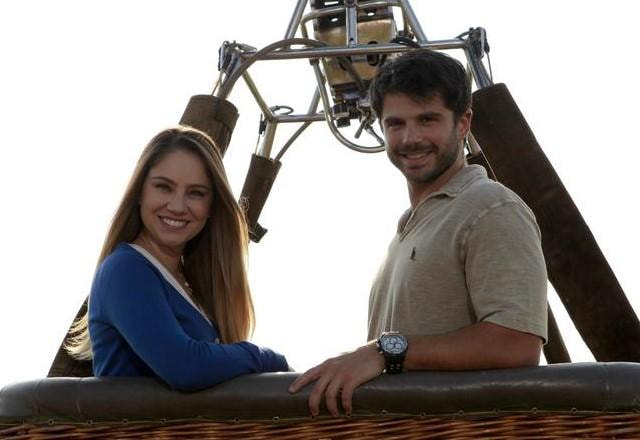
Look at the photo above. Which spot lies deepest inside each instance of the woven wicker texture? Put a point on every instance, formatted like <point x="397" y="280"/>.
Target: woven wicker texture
<point x="515" y="426"/>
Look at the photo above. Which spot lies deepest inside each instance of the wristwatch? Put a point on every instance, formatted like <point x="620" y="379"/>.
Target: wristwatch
<point x="393" y="346"/>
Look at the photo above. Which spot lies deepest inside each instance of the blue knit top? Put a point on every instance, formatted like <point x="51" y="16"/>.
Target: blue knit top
<point x="140" y="325"/>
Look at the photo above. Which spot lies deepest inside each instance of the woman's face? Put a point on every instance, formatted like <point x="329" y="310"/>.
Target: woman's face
<point x="176" y="200"/>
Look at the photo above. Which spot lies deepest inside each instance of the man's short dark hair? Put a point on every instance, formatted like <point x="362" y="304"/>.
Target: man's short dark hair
<point x="423" y="74"/>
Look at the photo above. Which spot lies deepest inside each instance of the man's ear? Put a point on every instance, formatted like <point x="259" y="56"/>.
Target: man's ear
<point x="464" y="123"/>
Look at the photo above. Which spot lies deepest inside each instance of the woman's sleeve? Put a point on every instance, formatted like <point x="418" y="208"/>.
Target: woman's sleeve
<point x="134" y="302"/>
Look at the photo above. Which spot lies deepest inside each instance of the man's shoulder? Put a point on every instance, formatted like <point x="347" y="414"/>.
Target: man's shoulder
<point x="485" y="192"/>
<point x="486" y="201"/>
<point x="484" y="196"/>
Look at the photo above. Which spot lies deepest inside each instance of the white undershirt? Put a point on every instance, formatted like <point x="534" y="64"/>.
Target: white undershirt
<point x="169" y="277"/>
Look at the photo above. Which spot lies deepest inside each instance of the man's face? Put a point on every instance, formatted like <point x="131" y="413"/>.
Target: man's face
<point x="423" y="139"/>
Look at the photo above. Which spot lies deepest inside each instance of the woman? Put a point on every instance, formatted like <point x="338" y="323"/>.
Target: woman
<point x="170" y="297"/>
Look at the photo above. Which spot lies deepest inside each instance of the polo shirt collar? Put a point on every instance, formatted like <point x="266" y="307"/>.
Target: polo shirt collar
<point x="461" y="180"/>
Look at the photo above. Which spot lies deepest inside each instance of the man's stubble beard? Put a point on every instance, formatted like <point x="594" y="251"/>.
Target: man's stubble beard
<point x="443" y="163"/>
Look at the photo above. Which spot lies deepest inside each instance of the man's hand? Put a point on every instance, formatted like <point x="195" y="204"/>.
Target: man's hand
<point x="340" y="376"/>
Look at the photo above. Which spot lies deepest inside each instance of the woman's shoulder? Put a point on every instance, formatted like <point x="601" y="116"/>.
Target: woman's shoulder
<point x="125" y="261"/>
<point x="123" y="254"/>
<point x="123" y="271"/>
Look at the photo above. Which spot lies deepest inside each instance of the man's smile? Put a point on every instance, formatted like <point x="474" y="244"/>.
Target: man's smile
<point x="416" y="158"/>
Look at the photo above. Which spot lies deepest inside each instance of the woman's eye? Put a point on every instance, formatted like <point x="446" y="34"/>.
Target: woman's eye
<point x="163" y="187"/>
<point x="198" y="194"/>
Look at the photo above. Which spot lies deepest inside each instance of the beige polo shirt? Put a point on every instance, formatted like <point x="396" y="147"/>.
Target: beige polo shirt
<point x="468" y="253"/>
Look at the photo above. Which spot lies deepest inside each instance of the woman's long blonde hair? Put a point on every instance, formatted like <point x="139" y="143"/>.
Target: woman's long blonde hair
<point x="214" y="260"/>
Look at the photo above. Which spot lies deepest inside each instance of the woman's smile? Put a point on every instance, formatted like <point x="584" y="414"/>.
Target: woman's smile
<point x="173" y="223"/>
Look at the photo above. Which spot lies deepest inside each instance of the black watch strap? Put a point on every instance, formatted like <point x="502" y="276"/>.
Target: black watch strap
<point x="393" y="347"/>
<point x="393" y="364"/>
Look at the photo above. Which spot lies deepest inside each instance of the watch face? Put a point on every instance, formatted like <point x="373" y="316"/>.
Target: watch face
<point x="393" y="344"/>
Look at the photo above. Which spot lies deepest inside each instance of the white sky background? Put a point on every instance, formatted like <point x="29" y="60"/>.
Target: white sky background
<point x="84" y="85"/>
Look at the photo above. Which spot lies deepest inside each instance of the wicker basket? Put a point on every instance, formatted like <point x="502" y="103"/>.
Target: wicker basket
<point x="565" y="401"/>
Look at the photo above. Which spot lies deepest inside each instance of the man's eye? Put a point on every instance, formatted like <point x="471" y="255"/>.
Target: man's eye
<point x="427" y="120"/>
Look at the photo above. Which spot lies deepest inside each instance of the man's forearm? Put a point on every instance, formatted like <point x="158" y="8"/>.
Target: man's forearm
<point x="479" y="346"/>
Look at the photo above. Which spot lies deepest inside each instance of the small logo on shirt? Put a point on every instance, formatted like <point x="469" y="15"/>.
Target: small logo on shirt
<point x="412" y="257"/>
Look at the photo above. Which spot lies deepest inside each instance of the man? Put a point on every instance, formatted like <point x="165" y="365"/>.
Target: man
<point x="464" y="283"/>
